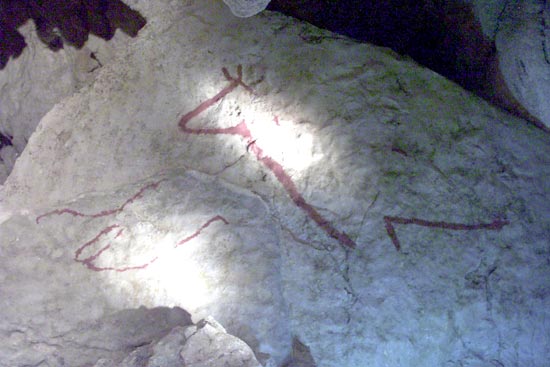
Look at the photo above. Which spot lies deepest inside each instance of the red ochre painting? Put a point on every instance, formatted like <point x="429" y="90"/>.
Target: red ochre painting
<point x="286" y="181"/>
<point x="242" y="130"/>
<point x="497" y="224"/>
<point x="98" y="242"/>
<point x="275" y="167"/>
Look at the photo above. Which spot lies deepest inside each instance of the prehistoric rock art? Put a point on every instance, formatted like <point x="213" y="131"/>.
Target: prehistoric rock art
<point x="89" y="261"/>
<point x="275" y="167"/>
<point x="139" y="194"/>
<point x="497" y="224"/>
<point x="278" y="170"/>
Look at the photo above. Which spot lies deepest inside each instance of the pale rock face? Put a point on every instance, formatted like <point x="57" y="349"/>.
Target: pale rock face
<point x="291" y="183"/>
<point x="521" y="31"/>
<point x="39" y="78"/>
<point x="524" y="54"/>
<point x="246" y="8"/>
<point x="208" y="344"/>
<point x="204" y="344"/>
<point x="198" y="253"/>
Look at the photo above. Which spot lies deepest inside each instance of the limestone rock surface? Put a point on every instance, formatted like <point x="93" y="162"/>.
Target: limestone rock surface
<point x="204" y="344"/>
<point x="197" y="252"/>
<point x="293" y="184"/>
<point x="522" y="38"/>
<point x="246" y="8"/>
<point x="498" y="49"/>
<point x="39" y="78"/>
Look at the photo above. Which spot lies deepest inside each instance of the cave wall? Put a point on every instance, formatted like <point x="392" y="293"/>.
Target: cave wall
<point x="495" y="49"/>
<point x="350" y="199"/>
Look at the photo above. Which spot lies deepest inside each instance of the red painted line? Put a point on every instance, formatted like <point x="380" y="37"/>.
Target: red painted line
<point x="89" y="261"/>
<point x="103" y="213"/>
<point x="234" y="83"/>
<point x="496" y="224"/>
<point x="278" y="170"/>
<point x="299" y="200"/>
<point x="400" y="151"/>
<point x="210" y="221"/>
<point x="95" y="239"/>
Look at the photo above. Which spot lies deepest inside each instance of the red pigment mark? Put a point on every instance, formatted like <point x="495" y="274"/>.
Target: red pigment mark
<point x="497" y="224"/>
<point x="234" y="83"/>
<point x="213" y="219"/>
<point x="399" y="150"/>
<point x="89" y="261"/>
<point x="103" y="213"/>
<point x="242" y="130"/>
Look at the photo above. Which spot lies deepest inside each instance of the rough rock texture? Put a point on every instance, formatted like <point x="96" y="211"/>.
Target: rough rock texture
<point x="246" y="8"/>
<point x="58" y="22"/>
<point x="110" y="337"/>
<point x="522" y="37"/>
<point x="205" y="344"/>
<point x="198" y="252"/>
<point x="157" y="337"/>
<point x="39" y="78"/>
<point x="348" y="199"/>
<point x="457" y="39"/>
<point x="497" y="49"/>
<point x="208" y="344"/>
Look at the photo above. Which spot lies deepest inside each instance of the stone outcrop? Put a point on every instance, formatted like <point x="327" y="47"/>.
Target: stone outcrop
<point x="498" y="49"/>
<point x="522" y="37"/>
<point x="157" y="337"/>
<point x="59" y="22"/>
<point x="329" y="202"/>
<point x="205" y="344"/>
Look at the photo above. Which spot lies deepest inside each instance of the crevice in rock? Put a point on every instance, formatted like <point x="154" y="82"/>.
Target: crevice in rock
<point x="5" y="141"/>
<point x="543" y="28"/>
<point x="500" y="18"/>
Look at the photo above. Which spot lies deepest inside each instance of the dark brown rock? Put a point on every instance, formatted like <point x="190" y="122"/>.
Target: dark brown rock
<point x="445" y="36"/>
<point x="59" y="21"/>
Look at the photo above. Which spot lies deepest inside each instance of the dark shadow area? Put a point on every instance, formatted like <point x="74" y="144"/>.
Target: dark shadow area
<point x="118" y="334"/>
<point x="300" y="355"/>
<point x="59" y="21"/>
<point x="5" y="140"/>
<point x="444" y="36"/>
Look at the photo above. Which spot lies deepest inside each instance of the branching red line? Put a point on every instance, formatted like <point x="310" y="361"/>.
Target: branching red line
<point x="89" y="261"/>
<point x="299" y="200"/>
<point x="234" y="83"/>
<point x="103" y="213"/>
<point x="278" y="170"/>
<point x="496" y="224"/>
<point x="95" y="239"/>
